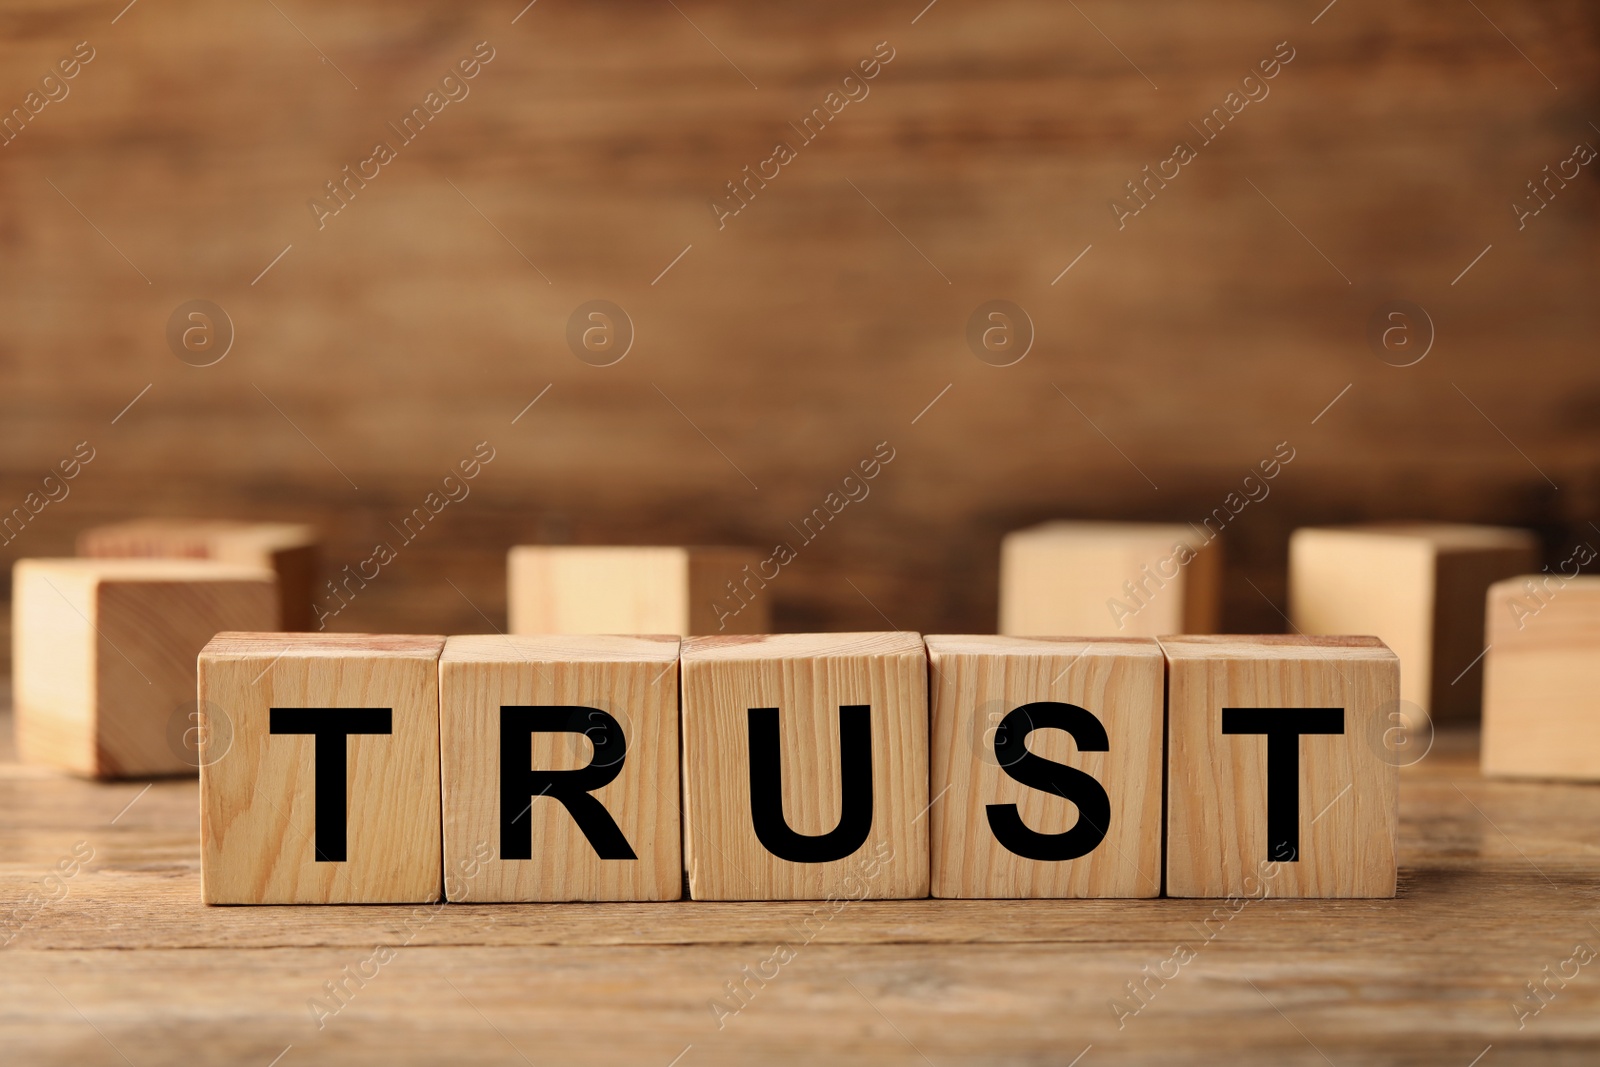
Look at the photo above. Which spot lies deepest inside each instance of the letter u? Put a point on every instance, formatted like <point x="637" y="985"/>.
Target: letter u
<point x="855" y="776"/>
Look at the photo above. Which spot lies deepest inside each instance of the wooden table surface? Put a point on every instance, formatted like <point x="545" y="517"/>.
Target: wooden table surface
<point x="122" y="964"/>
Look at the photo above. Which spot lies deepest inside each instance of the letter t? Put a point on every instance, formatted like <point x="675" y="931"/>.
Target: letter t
<point x="1283" y="728"/>
<point x="331" y="727"/>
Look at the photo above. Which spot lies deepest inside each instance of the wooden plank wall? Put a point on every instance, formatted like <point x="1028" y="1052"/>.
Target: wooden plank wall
<point x="824" y="317"/>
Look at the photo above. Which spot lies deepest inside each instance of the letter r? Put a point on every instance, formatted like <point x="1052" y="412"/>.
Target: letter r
<point x="521" y="786"/>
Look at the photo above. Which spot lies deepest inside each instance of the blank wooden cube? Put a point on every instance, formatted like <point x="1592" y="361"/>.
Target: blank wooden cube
<point x="1419" y="587"/>
<point x="1541" y="696"/>
<point x="1046" y="761"/>
<point x="323" y="785"/>
<point x="805" y="766"/>
<point x="104" y="650"/>
<point x="1109" y="579"/>
<point x="560" y="760"/>
<point x="565" y="589"/>
<point x="289" y="549"/>
<point x="1277" y="781"/>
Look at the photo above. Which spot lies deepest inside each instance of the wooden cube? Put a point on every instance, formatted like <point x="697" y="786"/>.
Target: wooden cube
<point x="1277" y="778"/>
<point x="1419" y="587"/>
<point x="1541" y="697"/>
<point x="324" y="786"/>
<point x="1046" y="766"/>
<point x="291" y="551"/>
<point x="565" y="589"/>
<point x="805" y="766"/>
<point x="560" y="761"/>
<point x="103" y="653"/>
<point x="1109" y="579"/>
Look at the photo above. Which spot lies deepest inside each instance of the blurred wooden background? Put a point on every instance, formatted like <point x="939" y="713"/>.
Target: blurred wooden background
<point x="775" y="353"/>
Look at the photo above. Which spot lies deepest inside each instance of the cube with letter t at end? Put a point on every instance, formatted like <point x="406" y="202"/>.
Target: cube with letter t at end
<point x="805" y="766"/>
<point x="560" y="762"/>
<point x="1046" y="760"/>
<point x="1279" y="782"/>
<point x="104" y="656"/>
<point x="319" y="769"/>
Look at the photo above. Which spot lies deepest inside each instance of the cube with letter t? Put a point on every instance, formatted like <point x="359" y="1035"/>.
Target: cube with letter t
<point x="319" y="769"/>
<point x="1278" y="780"/>
<point x="805" y="763"/>
<point x="560" y="768"/>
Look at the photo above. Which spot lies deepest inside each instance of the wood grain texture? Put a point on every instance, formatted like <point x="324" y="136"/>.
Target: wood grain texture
<point x="807" y="678"/>
<point x="1496" y="883"/>
<point x="1420" y="587"/>
<point x="634" y="590"/>
<point x="1218" y="784"/>
<point x="291" y="550"/>
<point x="634" y="681"/>
<point x="1109" y="579"/>
<point x="105" y="653"/>
<point x="1541" y="698"/>
<point x="258" y="789"/>
<point x="807" y="329"/>
<point x="977" y="682"/>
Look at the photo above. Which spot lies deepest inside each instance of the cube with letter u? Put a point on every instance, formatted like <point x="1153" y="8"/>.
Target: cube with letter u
<point x="805" y="762"/>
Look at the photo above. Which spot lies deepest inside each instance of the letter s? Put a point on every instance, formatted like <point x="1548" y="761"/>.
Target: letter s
<point x="84" y="51"/>
<point x="1094" y="807"/>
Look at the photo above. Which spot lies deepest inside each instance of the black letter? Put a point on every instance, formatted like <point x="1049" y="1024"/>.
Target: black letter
<point x="328" y="754"/>
<point x="855" y="789"/>
<point x="1283" y="727"/>
<point x="1069" y="783"/>
<point x="518" y="724"/>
